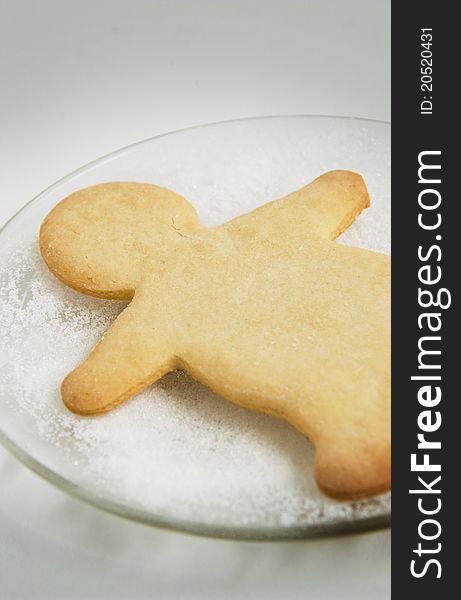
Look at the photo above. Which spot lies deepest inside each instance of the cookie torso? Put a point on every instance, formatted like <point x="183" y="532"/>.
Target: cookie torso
<point x="291" y="356"/>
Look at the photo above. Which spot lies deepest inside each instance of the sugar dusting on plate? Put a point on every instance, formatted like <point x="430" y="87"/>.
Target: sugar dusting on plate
<point x="176" y="450"/>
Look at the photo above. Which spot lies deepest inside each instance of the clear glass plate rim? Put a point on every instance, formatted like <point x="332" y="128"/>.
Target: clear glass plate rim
<point x="120" y="151"/>
<point x="249" y="533"/>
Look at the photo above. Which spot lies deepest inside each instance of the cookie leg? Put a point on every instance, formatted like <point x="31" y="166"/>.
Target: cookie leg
<point x="129" y="357"/>
<point x="346" y="470"/>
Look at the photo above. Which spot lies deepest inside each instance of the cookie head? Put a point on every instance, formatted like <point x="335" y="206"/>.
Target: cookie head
<point x="98" y="239"/>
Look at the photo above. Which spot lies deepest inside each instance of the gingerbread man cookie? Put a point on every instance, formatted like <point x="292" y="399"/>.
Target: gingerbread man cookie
<point x="267" y="310"/>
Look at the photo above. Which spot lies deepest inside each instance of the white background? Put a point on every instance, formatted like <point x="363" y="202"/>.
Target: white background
<point x="82" y="78"/>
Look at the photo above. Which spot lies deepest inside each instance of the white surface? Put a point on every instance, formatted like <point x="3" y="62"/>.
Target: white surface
<point x="80" y="79"/>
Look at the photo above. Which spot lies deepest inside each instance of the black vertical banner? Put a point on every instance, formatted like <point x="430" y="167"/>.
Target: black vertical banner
<point x="426" y="246"/>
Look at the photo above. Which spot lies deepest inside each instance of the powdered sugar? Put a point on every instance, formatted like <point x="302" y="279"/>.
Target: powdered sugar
<point x="178" y="450"/>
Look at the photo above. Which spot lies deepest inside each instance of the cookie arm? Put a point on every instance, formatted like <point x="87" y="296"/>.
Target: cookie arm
<point x="130" y="356"/>
<point x="325" y="208"/>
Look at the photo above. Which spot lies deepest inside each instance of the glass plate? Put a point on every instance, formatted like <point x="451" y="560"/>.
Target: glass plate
<point x="178" y="455"/>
